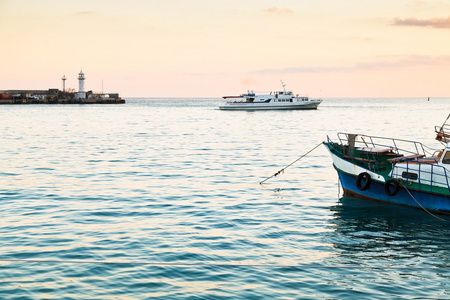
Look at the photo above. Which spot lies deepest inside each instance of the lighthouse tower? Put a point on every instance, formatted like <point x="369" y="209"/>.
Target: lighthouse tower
<point x="64" y="78"/>
<point x="81" y="93"/>
<point x="81" y="79"/>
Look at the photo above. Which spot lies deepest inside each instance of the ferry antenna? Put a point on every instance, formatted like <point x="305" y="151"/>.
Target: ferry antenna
<point x="283" y="84"/>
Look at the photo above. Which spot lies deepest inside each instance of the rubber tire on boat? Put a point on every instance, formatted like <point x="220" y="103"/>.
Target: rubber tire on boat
<point x="367" y="181"/>
<point x="395" y="184"/>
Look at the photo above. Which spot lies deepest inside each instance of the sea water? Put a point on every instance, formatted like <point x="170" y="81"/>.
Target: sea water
<point x="160" y="198"/>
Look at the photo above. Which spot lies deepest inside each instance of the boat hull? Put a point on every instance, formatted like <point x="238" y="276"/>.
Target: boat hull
<point x="432" y="202"/>
<point x="265" y="106"/>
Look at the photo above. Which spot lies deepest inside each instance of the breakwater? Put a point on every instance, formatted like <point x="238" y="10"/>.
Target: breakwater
<point x="56" y="96"/>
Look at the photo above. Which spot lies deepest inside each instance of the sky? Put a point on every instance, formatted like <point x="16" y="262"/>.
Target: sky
<point x="213" y="48"/>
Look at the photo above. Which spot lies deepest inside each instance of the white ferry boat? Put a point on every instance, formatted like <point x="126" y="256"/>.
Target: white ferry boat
<point x="274" y="100"/>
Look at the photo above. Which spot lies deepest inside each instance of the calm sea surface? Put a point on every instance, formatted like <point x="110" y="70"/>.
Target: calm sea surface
<point x="161" y="198"/>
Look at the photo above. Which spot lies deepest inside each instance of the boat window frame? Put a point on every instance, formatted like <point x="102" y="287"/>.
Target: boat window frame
<point x="446" y="158"/>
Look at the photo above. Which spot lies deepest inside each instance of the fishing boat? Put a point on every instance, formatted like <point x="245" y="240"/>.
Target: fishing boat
<point x="278" y="100"/>
<point x="393" y="170"/>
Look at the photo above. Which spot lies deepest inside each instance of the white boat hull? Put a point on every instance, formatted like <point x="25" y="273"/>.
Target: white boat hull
<point x="270" y="106"/>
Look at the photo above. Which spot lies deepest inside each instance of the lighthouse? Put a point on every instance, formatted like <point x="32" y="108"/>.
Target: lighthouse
<point x="81" y="79"/>
<point x="81" y="93"/>
<point x="64" y="78"/>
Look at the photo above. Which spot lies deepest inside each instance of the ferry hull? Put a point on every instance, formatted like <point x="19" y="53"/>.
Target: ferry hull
<point x="263" y="106"/>
<point x="432" y="202"/>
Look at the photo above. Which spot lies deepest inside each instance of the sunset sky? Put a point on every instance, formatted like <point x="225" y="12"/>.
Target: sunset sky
<point x="211" y="48"/>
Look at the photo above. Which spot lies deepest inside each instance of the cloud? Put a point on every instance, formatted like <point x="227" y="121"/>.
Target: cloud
<point x="248" y="81"/>
<point x="85" y="13"/>
<point x="276" y="10"/>
<point x="435" y="22"/>
<point x="300" y="70"/>
<point x="421" y="6"/>
<point x="387" y="63"/>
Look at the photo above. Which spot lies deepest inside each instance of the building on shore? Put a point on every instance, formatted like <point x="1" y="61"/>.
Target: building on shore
<point x="54" y="96"/>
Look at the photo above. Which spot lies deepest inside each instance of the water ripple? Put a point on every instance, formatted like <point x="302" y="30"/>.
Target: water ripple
<point x="176" y="188"/>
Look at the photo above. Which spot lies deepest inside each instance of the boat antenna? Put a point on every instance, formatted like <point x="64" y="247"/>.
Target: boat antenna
<point x="445" y="122"/>
<point x="282" y="83"/>
<point x="441" y="135"/>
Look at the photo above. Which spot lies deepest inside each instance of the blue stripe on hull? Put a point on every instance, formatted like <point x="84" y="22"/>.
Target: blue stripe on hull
<point x="432" y="202"/>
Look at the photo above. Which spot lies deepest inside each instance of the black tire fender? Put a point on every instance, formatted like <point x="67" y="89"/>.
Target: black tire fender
<point x="391" y="187"/>
<point x="367" y="181"/>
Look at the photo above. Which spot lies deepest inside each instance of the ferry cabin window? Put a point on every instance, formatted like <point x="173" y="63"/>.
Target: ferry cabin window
<point x="446" y="159"/>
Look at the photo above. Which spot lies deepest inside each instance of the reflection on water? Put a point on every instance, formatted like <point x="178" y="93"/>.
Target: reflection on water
<point x="373" y="232"/>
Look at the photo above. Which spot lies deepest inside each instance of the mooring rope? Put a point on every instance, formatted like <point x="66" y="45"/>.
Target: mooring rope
<point x="282" y="170"/>
<point x="217" y="264"/>
<point x="421" y="204"/>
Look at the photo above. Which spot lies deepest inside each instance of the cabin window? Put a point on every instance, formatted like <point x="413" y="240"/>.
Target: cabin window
<point x="446" y="159"/>
<point x="409" y="175"/>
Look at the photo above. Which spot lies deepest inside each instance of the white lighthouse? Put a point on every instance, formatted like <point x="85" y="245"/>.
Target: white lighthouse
<point x="81" y="93"/>
<point x="64" y="78"/>
<point x="81" y="79"/>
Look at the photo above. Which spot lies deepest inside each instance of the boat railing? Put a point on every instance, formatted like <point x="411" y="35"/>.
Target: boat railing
<point x="427" y="175"/>
<point x="370" y="161"/>
<point x="243" y="101"/>
<point x="443" y="133"/>
<point x="371" y="147"/>
<point x="396" y="145"/>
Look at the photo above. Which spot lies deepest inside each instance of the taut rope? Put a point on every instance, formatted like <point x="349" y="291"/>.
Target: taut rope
<point x="421" y="205"/>
<point x="282" y="170"/>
